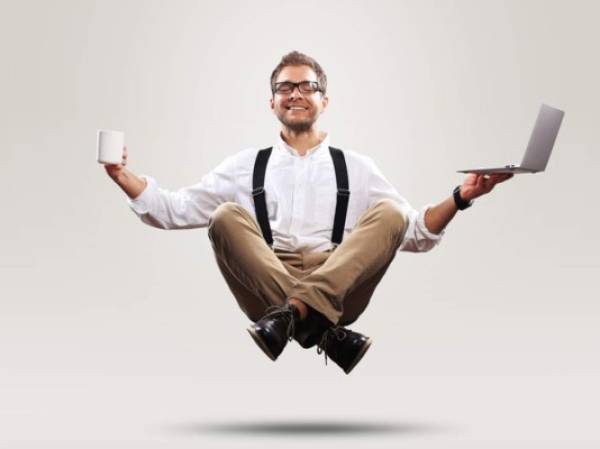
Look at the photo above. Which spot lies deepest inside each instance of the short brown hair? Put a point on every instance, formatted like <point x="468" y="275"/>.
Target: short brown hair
<point x="295" y="58"/>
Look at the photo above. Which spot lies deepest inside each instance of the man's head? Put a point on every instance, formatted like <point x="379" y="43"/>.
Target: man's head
<point x="298" y="85"/>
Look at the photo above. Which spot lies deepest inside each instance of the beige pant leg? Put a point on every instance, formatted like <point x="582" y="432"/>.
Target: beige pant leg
<point x="253" y="272"/>
<point x="353" y="269"/>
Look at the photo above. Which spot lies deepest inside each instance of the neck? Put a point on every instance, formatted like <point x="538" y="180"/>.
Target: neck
<point x="301" y="141"/>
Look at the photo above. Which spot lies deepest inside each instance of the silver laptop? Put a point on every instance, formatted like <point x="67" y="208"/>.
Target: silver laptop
<point x="539" y="148"/>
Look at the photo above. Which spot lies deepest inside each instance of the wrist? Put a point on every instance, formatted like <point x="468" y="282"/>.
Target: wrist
<point x="459" y="201"/>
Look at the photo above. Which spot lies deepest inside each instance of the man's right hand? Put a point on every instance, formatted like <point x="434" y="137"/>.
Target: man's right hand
<point x="114" y="170"/>
<point x="131" y="184"/>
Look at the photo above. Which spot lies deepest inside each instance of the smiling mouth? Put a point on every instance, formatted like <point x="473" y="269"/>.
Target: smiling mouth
<point x="296" y="108"/>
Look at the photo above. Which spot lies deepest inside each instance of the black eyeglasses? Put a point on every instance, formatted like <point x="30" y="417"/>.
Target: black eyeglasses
<point x="305" y="87"/>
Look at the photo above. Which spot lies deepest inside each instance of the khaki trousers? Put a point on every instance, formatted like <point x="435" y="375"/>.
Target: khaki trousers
<point x="337" y="283"/>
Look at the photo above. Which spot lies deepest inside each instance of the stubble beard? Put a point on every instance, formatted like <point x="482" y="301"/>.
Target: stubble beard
<point x="297" y="126"/>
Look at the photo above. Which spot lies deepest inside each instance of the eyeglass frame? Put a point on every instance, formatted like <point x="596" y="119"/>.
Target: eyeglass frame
<point x="296" y="85"/>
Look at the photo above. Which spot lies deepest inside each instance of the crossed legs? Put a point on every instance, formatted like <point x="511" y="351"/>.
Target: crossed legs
<point x="338" y="289"/>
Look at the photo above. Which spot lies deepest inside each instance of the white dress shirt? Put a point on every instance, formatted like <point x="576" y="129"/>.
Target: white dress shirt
<point x="301" y="193"/>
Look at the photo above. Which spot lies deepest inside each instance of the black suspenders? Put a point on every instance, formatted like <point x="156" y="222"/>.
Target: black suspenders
<point x="258" y="192"/>
<point x="343" y="194"/>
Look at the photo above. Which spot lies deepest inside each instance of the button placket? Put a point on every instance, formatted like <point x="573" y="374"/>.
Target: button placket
<point x="298" y="197"/>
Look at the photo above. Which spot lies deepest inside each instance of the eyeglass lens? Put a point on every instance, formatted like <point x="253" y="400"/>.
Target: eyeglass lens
<point x="306" y="87"/>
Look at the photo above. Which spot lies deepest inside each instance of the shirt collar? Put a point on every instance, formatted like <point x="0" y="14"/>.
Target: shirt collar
<point x="282" y="145"/>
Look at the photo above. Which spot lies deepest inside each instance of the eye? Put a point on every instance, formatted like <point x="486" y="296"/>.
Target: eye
<point x="284" y="87"/>
<point x="309" y="87"/>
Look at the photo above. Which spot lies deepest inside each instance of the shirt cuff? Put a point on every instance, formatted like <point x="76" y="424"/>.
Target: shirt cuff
<point x="142" y="203"/>
<point x="423" y="228"/>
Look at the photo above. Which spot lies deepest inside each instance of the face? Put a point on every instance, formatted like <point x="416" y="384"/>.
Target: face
<point x="296" y="110"/>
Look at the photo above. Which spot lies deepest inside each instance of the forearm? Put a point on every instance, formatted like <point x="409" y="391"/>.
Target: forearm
<point x="131" y="184"/>
<point x="438" y="217"/>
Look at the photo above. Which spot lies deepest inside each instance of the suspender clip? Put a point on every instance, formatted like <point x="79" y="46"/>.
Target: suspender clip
<point x="258" y="191"/>
<point x="343" y="192"/>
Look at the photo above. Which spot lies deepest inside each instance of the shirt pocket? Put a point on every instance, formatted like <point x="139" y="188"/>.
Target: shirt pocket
<point x="272" y="200"/>
<point x="272" y="207"/>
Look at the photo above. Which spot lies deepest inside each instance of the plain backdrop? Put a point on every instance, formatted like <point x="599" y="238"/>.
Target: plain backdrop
<point x="115" y="334"/>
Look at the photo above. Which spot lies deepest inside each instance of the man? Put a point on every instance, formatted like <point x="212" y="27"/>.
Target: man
<point x="290" y="274"/>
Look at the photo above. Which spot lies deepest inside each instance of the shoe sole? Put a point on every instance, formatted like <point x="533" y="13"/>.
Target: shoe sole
<point x="359" y="356"/>
<point x="260" y="343"/>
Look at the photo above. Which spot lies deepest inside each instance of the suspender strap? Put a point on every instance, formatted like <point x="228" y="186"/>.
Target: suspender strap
<point x="258" y="193"/>
<point x="343" y="195"/>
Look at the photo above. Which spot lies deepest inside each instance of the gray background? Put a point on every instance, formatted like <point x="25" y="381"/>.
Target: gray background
<point x="114" y="334"/>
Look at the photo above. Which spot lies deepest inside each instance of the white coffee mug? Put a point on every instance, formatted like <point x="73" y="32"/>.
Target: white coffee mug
<point x="110" y="146"/>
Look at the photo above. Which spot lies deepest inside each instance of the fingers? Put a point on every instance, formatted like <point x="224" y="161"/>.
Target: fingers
<point x="506" y="177"/>
<point x="497" y="178"/>
<point x="480" y="182"/>
<point x="485" y="183"/>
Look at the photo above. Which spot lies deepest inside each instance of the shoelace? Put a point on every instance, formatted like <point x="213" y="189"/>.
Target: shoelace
<point x="334" y="331"/>
<point x="274" y="310"/>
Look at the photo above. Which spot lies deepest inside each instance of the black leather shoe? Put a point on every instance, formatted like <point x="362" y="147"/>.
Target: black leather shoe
<point x="309" y="331"/>
<point x="344" y="347"/>
<point x="272" y="332"/>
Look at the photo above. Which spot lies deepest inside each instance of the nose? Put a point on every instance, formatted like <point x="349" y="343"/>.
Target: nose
<point x="295" y="93"/>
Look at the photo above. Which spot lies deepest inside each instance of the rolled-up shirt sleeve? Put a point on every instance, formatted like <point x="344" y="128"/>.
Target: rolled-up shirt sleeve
<point x="417" y="237"/>
<point x="189" y="207"/>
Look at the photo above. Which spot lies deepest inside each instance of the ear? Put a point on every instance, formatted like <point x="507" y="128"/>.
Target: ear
<point x="272" y="104"/>
<point x="325" y="101"/>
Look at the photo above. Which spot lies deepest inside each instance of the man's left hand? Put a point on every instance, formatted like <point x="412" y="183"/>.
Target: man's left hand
<point x="476" y="185"/>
